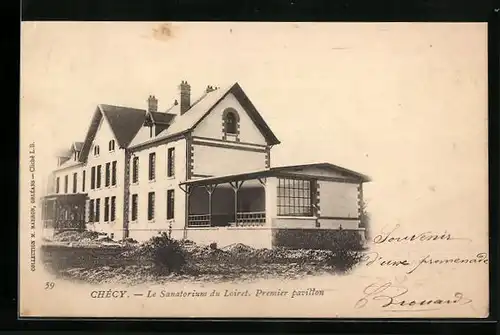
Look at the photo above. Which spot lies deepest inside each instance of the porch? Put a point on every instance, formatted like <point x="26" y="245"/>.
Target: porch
<point x="63" y="212"/>
<point x="267" y="208"/>
<point x="238" y="203"/>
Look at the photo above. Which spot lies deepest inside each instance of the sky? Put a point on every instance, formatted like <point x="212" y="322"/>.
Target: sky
<point x="405" y="103"/>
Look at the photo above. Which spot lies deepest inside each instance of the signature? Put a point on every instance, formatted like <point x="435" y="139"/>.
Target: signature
<point x="425" y="236"/>
<point x="392" y="297"/>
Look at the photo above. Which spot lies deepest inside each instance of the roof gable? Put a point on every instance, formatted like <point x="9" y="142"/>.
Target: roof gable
<point x="249" y="107"/>
<point x="161" y="118"/>
<point x="202" y="107"/>
<point x="123" y="121"/>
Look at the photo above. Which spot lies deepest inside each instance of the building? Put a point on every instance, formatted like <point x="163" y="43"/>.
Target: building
<point x="200" y="170"/>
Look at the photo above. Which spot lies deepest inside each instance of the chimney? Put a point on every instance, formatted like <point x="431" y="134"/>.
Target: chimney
<point x="152" y="104"/>
<point x="210" y="88"/>
<point x="185" y="89"/>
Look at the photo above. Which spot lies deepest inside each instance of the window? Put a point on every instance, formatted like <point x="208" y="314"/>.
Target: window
<point x="231" y="120"/>
<point x="111" y="145"/>
<point x="57" y="184"/>
<point x="98" y="181"/>
<point x="113" y="208"/>
<point x="92" y="178"/>
<point x="91" y="210"/>
<point x="83" y="181"/>
<point x="294" y="197"/>
<point x="106" y="209"/>
<point x="113" y="173"/>
<point x="75" y="182"/>
<point x="151" y="205"/>
<point x="170" y="204"/>
<point x="107" y="174"/>
<point x="135" y="170"/>
<point x="75" y="155"/>
<point x="97" y="210"/>
<point x="96" y="150"/>
<point x="66" y="184"/>
<point x="171" y="162"/>
<point x="134" y="207"/>
<point x="152" y="162"/>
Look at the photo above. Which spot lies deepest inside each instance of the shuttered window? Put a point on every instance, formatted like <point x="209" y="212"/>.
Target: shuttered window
<point x="134" y="207"/>
<point x="135" y="170"/>
<point x="152" y="167"/>
<point x="170" y="204"/>
<point x="151" y="205"/>
<point x="113" y="208"/>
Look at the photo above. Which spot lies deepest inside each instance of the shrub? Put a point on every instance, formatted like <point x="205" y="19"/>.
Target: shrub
<point x="346" y="250"/>
<point x="166" y="254"/>
<point x="347" y="240"/>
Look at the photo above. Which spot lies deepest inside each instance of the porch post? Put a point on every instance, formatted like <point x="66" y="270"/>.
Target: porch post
<point x="210" y="189"/>
<point x="187" y="191"/>
<point x="236" y="187"/>
<point x="186" y="211"/>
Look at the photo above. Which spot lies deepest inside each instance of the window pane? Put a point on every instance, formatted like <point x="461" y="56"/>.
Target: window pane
<point x="294" y="197"/>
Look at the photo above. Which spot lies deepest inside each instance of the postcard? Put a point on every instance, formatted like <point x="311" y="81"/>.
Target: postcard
<point x="236" y="169"/>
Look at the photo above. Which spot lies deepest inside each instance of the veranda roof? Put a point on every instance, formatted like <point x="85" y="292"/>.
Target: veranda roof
<point x="347" y="175"/>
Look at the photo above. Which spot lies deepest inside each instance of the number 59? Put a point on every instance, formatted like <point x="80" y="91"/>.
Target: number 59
<point x="49" y="285"/>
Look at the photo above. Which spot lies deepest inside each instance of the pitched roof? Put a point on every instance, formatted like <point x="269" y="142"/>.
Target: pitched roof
<point x="162" y="118"/>
<point x="124" y="123"/>
<point x="204" y="105"/>
<point x="66" y="153"/>
<point x="67" y="164"/>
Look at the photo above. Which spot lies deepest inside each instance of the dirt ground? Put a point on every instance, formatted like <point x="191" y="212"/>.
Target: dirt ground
<point x="93" y="258"/>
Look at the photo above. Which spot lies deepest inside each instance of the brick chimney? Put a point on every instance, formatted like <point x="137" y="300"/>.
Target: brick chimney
<point x="185" y="92"/>
<point x="152" y="104"/>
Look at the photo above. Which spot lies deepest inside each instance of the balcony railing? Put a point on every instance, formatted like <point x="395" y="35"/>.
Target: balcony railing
<point x="250" y="219"/>
<point x="199" y="220"/>
<point x="243" y="219"/>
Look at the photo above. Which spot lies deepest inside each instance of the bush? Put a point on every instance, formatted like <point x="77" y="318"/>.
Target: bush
<point x="346" y="251"/>
<point x="347" y="240"/>
<point x="166" y="254"/>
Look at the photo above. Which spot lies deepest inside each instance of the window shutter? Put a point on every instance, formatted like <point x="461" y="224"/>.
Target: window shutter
<point x="107" y="174"/>
<point x="113" y="173"/>
<point x="113" y="208"/>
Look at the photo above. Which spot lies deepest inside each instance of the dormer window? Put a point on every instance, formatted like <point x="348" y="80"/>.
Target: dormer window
<point x="111" y="145"/>
<point x="96" y="150"/>
<point x="75" y="155"/>
<point x="230" y="121"/>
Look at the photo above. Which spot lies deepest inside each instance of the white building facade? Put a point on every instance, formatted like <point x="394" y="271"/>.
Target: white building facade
<point x="201" y="170"/>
